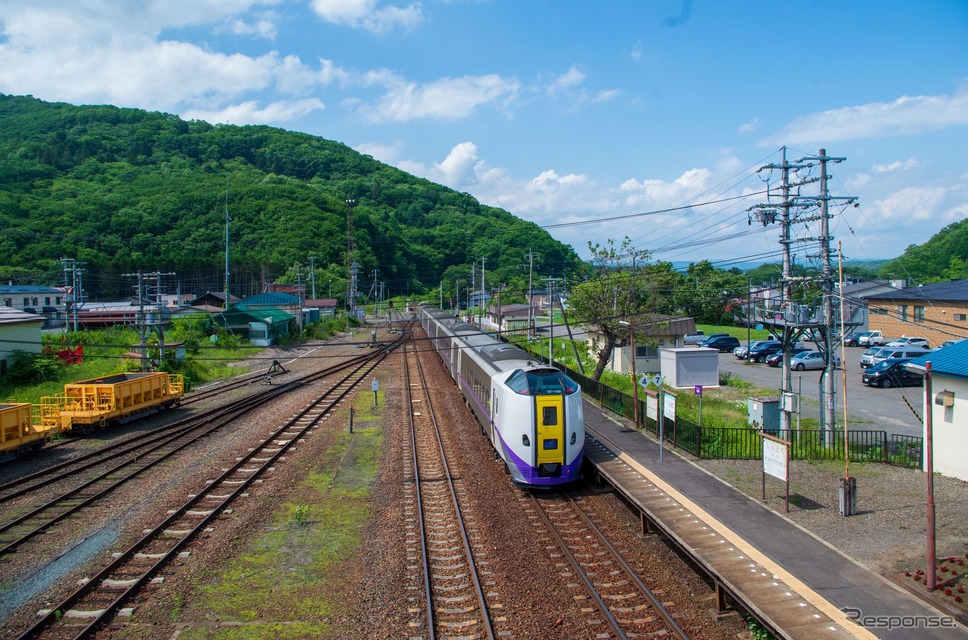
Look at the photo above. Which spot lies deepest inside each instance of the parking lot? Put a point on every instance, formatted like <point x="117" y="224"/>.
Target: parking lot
<point x="867" y="407"/>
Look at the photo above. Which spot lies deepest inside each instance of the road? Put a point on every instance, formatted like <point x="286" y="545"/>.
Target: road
<point x="867" y="407"/>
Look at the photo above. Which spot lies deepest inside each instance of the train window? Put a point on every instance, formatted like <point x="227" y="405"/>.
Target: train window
<point x="541" y="383"/>
<point x="549" y="417"/>
<point x="518" y="382"/>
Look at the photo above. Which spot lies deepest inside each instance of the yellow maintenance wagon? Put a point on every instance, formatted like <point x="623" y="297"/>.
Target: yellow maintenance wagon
<point x="94" y="403"/>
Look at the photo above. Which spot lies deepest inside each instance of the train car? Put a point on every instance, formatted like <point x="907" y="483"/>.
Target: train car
<point x="531" y="413"/>
<point x="90" y="404"/>
<point x="19" y="431"/>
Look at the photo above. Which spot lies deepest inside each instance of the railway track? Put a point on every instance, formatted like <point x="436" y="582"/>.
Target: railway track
<point x="144" y="444"/>
<point x="615" y="597"/>
<point x="98" y="600"/>
<point x="453" y="601"/>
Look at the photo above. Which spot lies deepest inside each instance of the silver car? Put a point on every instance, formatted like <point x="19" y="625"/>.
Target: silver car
<point x="810" y="360"/>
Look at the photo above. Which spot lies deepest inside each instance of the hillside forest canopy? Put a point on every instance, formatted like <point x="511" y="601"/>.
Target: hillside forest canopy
<point x="126" y="190"/>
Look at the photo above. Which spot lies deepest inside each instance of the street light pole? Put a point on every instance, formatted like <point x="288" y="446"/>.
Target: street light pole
<point x="635" y="383"/>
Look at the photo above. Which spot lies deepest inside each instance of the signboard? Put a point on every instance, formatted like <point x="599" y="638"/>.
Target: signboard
<point x="776" y="462"/>
<point x="652" y="407"/>
<point x="669" y="407"/>
<point x="697" y="390"/>
<point x="775" y="459"/>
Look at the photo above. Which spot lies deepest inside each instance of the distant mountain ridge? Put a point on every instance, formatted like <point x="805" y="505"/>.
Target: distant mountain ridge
<point x="123" y="190"/>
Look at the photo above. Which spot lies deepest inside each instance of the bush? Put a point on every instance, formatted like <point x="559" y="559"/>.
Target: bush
<point x="33" y="368"/>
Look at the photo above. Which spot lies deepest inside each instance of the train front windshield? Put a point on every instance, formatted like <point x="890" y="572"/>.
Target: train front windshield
<point x="541" y="382"/>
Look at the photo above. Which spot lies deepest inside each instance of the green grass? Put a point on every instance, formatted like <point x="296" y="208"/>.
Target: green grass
<point x="287" y="580"/>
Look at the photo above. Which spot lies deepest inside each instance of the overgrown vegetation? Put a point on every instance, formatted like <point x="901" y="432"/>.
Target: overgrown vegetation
<point x="108" y="351"/>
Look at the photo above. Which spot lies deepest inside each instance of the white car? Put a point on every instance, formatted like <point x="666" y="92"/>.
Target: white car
<point x="810" y="360"/>
<point x="909" y="341"/>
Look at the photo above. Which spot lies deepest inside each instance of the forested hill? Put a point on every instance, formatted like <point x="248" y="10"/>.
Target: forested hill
<point x="123" y="190"/>
<point x="943" y="257"/>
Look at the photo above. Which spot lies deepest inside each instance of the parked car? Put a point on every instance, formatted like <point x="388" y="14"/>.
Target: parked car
<point x="776" y="359"/>
<point x="810" y="360"/>
<point x="891" y="373"/>
<point x="880" y="354"/>
<point x="764" y="350"/>
<point x="724" y="344"/>
<point x="908" y="341"/>
<point x="698" y="337"/>
<point x="741" y="351"/>
<point x="872" y="339"/>
<point x="853" y="340"/>
<point x="947" y="343"/>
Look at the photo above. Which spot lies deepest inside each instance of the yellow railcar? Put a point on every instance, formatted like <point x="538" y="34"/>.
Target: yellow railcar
<point x="117" y="398"/>
<point x="19" y="430"/>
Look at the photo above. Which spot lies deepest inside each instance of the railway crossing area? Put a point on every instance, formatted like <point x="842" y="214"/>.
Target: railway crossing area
<point x="796" y="584"/>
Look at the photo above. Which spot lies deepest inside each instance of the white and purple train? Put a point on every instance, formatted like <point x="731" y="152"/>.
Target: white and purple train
<point x="531" y="413"/>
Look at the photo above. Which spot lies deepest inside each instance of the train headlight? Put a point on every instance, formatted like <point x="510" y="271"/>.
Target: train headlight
<point x="574" y="437"/>
<point x="525" y="440"/>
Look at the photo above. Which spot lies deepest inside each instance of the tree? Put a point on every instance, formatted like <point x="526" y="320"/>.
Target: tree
<point x="612" y="294"/>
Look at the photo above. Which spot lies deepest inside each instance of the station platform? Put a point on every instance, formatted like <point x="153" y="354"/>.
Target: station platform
<point x="798" y="585"/>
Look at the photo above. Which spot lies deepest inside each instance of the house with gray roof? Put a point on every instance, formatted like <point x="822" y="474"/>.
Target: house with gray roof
<point x="19" y="331"/>
<point x="937" y="312"/>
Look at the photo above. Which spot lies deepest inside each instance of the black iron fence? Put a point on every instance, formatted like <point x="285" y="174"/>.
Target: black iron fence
<point x="744" y="443"/>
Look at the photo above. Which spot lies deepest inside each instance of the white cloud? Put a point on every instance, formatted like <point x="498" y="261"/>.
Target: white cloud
<point x="912" y="204"/>
<point x="897" y="165"/>
<point x="261" y="28"/>
<point x="368" y="14"/>
<point x="656" y="194"/>
<point x="749" y="127"/>
<point x="447" y="98"/>
<point x="906" y="115"/>
<point x="250" y="112"/>
<point x="81" y="52"/>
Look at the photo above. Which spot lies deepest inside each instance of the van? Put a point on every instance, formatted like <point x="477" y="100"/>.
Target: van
<point x="884" y="353"/>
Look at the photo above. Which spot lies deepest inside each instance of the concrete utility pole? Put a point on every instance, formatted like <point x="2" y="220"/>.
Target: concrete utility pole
<point x="481" y="323"/>
<point x="352" y="268"/>
<point x="312" y="274"/>
<point x="227" y="221"/>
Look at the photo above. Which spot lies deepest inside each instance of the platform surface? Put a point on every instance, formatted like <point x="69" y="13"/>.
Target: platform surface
<point x="803" y="585"/>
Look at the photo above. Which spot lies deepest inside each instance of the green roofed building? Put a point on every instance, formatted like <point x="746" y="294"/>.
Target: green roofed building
<point x="262" y="326"/>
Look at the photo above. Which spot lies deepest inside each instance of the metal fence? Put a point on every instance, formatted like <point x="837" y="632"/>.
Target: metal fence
<point x="744" y="443"/>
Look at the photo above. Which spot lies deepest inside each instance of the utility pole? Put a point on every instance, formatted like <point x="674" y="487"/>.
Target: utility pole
<point x="227" y="221"/>
<point x="76" y="296"/>
<point x="150" y="322"/>
<point x="481" y="323"/>
<point x="530" y="295"/>
<point x="790" y="321"/>
<point x="551" y="319"/>
<point x="312" y="274"/>
<point x="828" y="408"/>
<point x="473" y="284"/>
<point x="352" y="268"/>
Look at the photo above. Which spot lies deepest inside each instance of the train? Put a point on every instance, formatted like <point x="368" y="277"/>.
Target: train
<point x="531" y="413"/>
<point x="86" y="405"/>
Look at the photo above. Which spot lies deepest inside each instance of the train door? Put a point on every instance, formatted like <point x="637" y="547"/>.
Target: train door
<point x="549" y="430"/>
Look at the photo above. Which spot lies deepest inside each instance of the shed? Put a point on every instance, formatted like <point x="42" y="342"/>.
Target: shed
<point x="260" y="326"/>
<point x="690" y="367"/>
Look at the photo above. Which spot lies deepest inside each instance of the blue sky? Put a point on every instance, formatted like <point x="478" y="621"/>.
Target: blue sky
<point x="562" y="112"/>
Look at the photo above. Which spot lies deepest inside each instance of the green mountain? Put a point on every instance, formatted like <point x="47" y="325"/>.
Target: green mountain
<point x="943" y="257"/>
<point x="123" y="190"/>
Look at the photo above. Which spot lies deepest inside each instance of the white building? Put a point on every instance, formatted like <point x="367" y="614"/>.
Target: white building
<point x="19" y="331"/>
<point x="947" y="404"/>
